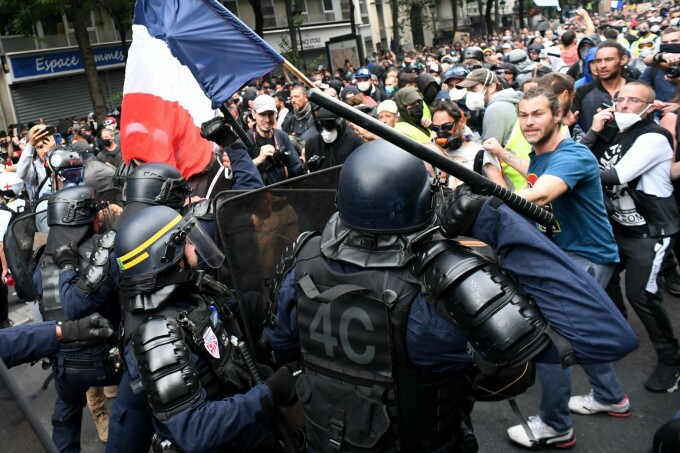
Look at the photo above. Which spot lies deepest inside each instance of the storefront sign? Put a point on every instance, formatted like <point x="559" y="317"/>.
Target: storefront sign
<point x="30" y="66"/>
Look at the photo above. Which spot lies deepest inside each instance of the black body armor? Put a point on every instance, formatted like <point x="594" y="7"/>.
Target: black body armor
<point x="360" y="392"/>
<point x="50" y="302"/>
<point x="162" y="342"/>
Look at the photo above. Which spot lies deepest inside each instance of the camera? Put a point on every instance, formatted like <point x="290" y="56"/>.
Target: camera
<point x="673" y="72"/>
<point x="279" y="157"/>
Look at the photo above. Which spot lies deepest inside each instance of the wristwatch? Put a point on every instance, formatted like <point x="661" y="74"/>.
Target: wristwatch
<point x="68" y="267"/>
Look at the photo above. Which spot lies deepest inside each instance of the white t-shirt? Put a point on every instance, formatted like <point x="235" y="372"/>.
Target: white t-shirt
<point x="465" y="156"/>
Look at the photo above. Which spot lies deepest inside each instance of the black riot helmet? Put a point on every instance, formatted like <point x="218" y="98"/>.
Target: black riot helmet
<point x="384" y="189"/>
<point x="473" y="53"/>
<point x="156" y="184"/>
<point x="152" y="241"/>
<point x="72" y="206"/>
<point x="67" y="165"/>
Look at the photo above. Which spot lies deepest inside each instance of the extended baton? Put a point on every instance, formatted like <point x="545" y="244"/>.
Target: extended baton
<point x="477" y="182"/>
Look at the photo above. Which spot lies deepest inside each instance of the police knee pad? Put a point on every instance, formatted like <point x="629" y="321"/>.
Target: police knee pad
<point x="169" y="378"/>
<point x="504" y="325"/>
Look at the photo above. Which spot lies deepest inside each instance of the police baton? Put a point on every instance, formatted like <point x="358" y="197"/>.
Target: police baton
<point x="477" y="182"/>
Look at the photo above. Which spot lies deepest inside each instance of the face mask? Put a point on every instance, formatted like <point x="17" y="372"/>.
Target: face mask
<point x="329" y="136"/>
<point x="106" y="142"/>
<point x="643" y="31"/>
<point x="438" y="80"/>
<point x="474" y="101"/>
<point x="646" y="52"/>
<point x="364" y="86"/>
<point x="669" y="48"/>
<point x="626" y="119"/>
<point x="456" y="94"/>
<point x="416" y="112"/>
<point x="655" y="29"/>
<point x="389" y="90"/>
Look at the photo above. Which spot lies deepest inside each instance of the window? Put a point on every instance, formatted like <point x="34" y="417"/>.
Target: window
<point x="268" y="14"/>
<point x="345" y="9"/>
<point x="329" y="14"/>
<point x="363" y="8"/>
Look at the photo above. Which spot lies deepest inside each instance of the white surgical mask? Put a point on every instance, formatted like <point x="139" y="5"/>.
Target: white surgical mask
<point x="329" y="136"/>
<point x="646" y="52"/>
<point x="626" y="119"/>
<point x="456" y="94"/>
<point x="474" y="101"/>
<point x="438" y="80"/>
<point x="364" y="86"/>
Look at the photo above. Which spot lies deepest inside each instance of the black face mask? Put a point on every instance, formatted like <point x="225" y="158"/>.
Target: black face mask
<point x="106" y="142"/>
<point x="669" y="48"/>
<point x="416" y="112"/>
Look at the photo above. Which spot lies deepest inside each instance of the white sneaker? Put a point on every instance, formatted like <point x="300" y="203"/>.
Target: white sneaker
<point x="587" y="405"/>
<point x="544" y="434"/>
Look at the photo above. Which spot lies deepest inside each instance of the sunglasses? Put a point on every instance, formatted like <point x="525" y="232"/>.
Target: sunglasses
<point x="446" y="127"/>
<point x="503" y="72"/>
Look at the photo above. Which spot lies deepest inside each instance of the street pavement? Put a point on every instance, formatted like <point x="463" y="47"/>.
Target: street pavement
<point x="595" y="433"/>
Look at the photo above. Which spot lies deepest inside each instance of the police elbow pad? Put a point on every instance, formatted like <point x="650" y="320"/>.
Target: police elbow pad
<point x="97" y="270"/>
<point x="504" y="325"/>
<point x="168" y="376"/>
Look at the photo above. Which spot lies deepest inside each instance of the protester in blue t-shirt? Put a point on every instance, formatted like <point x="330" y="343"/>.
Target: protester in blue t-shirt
<point x="564" y="176"/>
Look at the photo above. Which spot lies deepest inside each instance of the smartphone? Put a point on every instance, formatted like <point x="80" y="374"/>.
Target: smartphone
<point x="51" y="129"/>
<point x="57" y="138"/>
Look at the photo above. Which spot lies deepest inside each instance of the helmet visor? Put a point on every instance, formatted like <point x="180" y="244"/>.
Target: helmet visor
<point x="206" y="249"/>
<point x="72" y="176"/>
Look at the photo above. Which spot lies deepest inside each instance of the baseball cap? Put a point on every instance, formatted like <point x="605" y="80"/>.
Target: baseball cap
<point x="348" y="92"/>
<point x="387" y="106"/>
<point x="264" y="103"/>
<point x="484" y="76"/>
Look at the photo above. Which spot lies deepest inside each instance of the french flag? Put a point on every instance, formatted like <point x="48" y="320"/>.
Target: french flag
<point x="616" y="4"/>
<point x="186" y="59"/>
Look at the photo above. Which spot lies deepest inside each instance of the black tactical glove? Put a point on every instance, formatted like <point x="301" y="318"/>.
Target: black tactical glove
<point x="66" y="254"/>
<point x="458" y="211"/>
<point x="216" y="130"/>
<point x="314" y="163"/>
<point x="90" y="328"/>
<point x="282" y="386"/>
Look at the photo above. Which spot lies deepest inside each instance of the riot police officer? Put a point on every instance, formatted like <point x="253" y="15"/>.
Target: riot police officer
<point x="71" y="216"/>
<point x="379" y="310"/>
<point x="150" y="184"/>
<point x="177" y="333"/>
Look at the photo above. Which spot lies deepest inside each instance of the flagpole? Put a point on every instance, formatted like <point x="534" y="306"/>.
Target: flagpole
<point x="297" y="73"/>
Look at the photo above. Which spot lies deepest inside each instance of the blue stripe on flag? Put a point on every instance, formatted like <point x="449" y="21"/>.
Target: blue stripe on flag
<point x="222" y="53"/>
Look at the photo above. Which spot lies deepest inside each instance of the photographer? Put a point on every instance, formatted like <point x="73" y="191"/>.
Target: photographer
<point x="273" y="153"/>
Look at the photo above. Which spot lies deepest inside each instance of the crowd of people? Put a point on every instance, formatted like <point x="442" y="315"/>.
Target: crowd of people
<point x="578" y="116"/>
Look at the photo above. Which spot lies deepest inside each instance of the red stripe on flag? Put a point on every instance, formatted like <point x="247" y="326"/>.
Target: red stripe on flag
<point x="156" y="130"/>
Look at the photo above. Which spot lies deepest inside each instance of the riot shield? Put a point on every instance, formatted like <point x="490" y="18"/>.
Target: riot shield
<point x="254" y="228"/>
<point x="20" y="241"/>
<point x="20" y="428"/>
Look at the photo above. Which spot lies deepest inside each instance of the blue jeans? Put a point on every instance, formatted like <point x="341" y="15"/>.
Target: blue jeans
<point x="556" y="381"/>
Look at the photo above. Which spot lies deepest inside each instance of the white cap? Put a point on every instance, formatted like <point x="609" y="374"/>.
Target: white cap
<point x="388" y="106"/>
<point x="264" y="103"/>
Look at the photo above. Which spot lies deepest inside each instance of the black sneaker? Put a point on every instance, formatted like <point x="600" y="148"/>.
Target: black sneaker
<point x="664" y="379"/>
<point x="671" y="282"/>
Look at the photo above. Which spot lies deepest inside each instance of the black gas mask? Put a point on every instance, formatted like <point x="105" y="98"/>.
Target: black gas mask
<point x="445" y="137"/>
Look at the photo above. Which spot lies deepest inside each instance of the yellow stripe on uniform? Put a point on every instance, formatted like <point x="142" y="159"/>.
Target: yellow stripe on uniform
<point x="135" y="261"/>
<point x="149" y="241"/>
